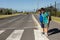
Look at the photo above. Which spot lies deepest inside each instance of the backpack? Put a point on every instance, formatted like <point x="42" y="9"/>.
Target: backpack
<point x="50" y="17"/>
<point x="41" y="18"/>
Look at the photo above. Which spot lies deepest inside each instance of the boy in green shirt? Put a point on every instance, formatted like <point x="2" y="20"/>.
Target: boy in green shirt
<point x="45" y="21"/>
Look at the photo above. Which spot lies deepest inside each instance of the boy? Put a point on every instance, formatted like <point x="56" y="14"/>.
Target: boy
<point x="45" y="21"/>
<point x="41" y="19"/>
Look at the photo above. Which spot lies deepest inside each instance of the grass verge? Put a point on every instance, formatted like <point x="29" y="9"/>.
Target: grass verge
<point x="56" y="19"/>
<point x="6" y="16"/>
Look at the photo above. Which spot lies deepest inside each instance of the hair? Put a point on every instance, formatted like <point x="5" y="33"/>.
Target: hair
<point x="39" y="10"/>
<point x="42" y="9"/>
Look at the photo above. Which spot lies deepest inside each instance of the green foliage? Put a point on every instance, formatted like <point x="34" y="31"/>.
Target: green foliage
<point x="53" y="11"/>
<point x="4" y="11"/>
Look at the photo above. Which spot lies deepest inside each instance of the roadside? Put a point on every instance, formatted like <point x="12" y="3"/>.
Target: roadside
<point x="7" y="16"/>
<point x="54" y="30"/>
<point x="56" y="19"/>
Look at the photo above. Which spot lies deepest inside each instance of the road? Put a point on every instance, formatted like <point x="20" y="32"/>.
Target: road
<point x="23" y="27"/>
<point x="53" y="31"/>
<point x="18" y="22"/>
<point x="16" y="26"/>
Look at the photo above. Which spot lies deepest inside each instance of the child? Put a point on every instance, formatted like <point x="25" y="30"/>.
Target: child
<point x="41" y="19"/>
<point x="45" y="21"/>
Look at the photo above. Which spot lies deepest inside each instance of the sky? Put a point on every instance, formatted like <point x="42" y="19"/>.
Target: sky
<point x="26" y="5"/>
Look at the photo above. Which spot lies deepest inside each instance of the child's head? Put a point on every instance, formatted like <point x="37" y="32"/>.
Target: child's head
<point x="42" y="10"/>
<point x="39" y="11"/>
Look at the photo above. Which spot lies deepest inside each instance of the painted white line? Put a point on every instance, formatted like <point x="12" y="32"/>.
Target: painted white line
<point x="1" y="31"/>
<point x="16" y="35"/>
<point x="39" y="35"/>
<point x="38" y="32"/>
<point x="38" y="25"/>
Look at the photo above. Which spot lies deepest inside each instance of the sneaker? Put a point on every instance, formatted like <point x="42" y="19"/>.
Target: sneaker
<point x="42" y="32"/>
<point x="46" y="34"/>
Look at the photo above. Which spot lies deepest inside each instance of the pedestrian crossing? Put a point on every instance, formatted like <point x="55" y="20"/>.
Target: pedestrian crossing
<point x="18" y="34"/>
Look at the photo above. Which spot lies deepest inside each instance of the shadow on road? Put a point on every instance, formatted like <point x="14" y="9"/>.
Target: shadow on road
<point x="53" y="31"/>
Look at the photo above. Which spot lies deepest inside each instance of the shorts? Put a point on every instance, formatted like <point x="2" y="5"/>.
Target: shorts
<point x="44" y="25"/>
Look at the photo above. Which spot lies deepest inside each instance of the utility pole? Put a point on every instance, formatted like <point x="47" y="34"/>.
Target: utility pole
<point x="55" y="9"/>
<point x="50" y="6"/>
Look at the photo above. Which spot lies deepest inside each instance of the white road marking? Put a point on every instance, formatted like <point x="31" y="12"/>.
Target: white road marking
<point x="39" y="35"/>
<point x="1" y="31"/>
<point x="38" y="25"/>
<point x="16" y="35"/>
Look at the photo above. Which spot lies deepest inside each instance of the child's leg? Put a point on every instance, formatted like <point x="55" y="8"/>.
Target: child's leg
<point x="42" y="26"/>
<point x="46" y="29"/>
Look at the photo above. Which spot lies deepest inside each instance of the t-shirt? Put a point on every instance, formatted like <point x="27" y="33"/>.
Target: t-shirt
<point x="45" y="18"/>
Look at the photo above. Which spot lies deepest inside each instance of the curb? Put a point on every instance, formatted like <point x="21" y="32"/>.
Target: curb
<point x="37" y="23"/>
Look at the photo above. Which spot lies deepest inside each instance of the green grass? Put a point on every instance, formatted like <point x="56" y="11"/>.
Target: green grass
<point x="6" y="16"/>
<point x="57" y="19"/>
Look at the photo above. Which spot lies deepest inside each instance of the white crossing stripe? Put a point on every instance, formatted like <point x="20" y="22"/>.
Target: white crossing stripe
<point x="16" y="35"/>
<point x="39" y="35"/>
<point x="1" y="31"/>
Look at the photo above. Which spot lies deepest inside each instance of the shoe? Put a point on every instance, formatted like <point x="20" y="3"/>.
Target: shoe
<point x="42" y="32"/>
<point x="46" y="34"/>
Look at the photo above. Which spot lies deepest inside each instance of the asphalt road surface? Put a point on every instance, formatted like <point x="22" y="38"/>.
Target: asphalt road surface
<point x="12" y="28"/>
<point x="17" y="22"/>
<point x="53" y="31"/>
